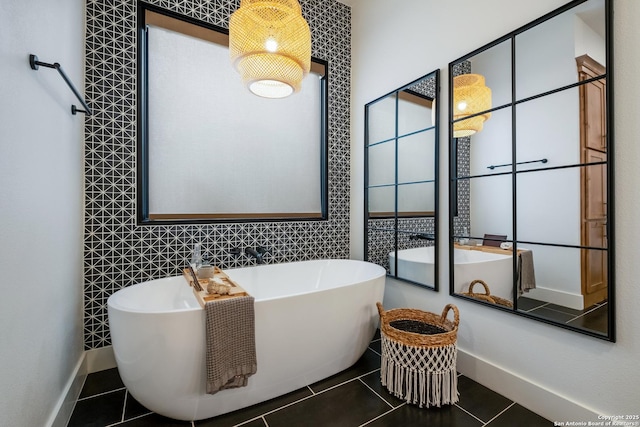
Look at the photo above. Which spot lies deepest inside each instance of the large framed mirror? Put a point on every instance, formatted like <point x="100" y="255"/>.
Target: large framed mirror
<point x="531" y="178"/>
<point x="401" y="182"/>
<point x="211" y="151"/>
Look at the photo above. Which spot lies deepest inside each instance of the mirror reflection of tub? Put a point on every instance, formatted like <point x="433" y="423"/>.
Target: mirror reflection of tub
<point x="490" y="265"/>
<point x="495" y="269"/>
<point x="416" y="265"/>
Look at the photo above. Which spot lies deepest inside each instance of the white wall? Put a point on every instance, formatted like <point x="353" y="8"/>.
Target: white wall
<point x="41" y="189"/>
<point x="395" y="42"/>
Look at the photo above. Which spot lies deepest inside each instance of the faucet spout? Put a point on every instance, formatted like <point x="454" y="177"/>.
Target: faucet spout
<point x="257" y="253"/>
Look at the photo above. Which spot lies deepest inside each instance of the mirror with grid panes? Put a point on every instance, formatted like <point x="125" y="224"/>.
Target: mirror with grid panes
<point x="531" y="213"/>
<point x="401" y="191"/>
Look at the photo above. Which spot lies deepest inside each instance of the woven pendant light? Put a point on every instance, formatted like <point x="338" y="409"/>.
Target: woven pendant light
<point x="470" y="96"/>
<point x="270" y="46"/>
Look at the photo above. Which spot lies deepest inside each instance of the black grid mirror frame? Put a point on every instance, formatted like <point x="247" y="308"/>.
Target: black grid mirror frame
<point x="461" y="177"/>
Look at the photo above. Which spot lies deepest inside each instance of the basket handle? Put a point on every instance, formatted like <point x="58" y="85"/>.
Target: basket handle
<point x="484" y="285"/>
<point x="456" y="314"/>
<point x="380" y="309"/>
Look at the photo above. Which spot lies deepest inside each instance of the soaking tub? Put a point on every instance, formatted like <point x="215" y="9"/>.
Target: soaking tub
<point x="312" y="319"/>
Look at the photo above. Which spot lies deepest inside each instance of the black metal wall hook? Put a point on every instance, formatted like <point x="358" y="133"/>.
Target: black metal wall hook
<point x="35" y="64"/>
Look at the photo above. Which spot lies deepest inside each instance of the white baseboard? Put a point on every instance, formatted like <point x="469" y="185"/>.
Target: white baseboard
<point x="64" y="408"/>
<point x="553" y="296"/>
<point x="99" y="359"/>
<point x="526" y="393"/>
<point x="90" y="361"/>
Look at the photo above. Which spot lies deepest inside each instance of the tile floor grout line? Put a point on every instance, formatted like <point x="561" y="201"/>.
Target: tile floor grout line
<point x="102" y="394"/>
<point x="535" y="308"/>
<point x="382" y="415"/>
<point x="264" y="420"/>
<point x="131" y="419"/>
<point x="303" y="398"/>
<point x="250" y="420"/>
<point x="464" y="410"/>
<point x="124" y="407"/>
<point x="278" y="408"/>
<point x="376" y="393"/>
<point x="586" y="312"/>
<point x="500" y="413"/>
<point x="375" y="352"/>
<point x="346" y="381"/>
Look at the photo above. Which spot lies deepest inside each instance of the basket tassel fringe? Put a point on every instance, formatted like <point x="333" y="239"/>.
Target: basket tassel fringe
<point x="422" y="387"/>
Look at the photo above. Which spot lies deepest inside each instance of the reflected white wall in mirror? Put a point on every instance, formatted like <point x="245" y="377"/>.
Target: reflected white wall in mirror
<point x="414" y="155"/>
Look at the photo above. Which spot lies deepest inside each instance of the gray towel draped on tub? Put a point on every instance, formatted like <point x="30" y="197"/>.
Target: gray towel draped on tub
<point x="230" y="343"/>
<point x="526" y="273"/>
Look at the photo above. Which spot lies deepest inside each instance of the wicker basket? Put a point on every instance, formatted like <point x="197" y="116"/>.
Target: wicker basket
<point x="486" y="296"/>
<point x="419" y="367"/>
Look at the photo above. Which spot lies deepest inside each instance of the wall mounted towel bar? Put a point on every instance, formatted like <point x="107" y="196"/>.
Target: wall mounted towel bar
<point x="34" y="63"/>
<point x="492" y="167"/>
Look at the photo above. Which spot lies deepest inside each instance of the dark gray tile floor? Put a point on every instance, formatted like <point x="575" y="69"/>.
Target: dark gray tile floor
<point x="593" y="318"/>
<point x="354" y="397"/>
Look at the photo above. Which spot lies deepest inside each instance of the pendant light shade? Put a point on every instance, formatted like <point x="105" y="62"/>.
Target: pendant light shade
<point x="470" y="96"/>
<point x="270" y="46"/>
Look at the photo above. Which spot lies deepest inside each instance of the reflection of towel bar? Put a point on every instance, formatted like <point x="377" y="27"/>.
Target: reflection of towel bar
<point x="492" y="167"/>
<point x="421" y="236"/>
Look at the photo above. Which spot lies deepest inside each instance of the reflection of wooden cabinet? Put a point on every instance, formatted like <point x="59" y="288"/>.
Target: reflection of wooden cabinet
<point x="593" y="179"/>
<point x="595" y="264"/>
<point x="594" y="94"/>
<point x="595" y="186"/>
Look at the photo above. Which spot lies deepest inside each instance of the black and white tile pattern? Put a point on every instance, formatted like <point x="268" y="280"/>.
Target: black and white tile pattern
<point x="117" y="252"/>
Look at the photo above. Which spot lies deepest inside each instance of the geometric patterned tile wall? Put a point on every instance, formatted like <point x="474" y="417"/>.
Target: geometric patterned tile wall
<point x="117" y="252"/>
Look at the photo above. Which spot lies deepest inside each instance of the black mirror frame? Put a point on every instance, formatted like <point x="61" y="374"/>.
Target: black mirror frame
<point x="610" y="211"/>
<point x="142" y="141"/>
<point x="436" y="75"/>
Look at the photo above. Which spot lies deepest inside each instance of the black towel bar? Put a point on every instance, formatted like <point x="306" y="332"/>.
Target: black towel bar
<point x="492" y="167"/>
<point x="34" y="63"/>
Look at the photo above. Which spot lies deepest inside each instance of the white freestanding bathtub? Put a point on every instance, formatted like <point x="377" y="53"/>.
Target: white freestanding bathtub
<point x="312" y="318"/>
<point x="494" y="269"/>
